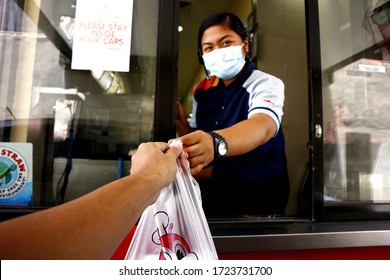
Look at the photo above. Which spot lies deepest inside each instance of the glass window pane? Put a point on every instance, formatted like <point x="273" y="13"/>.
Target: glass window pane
<point x="82" y="123"/>
<point x="356" y="108"/>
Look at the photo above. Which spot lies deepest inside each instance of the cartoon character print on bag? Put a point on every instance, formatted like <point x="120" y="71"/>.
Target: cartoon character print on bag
<point x="173" y="246"/>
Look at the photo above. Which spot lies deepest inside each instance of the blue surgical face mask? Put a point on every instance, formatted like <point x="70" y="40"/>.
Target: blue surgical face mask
<point x="224" y="63"/>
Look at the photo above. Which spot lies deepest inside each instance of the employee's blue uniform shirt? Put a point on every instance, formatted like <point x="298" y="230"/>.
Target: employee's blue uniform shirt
<point x="216" y="106"/>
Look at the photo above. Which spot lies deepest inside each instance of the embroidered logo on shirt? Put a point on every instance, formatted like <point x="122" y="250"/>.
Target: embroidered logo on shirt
<point x="268" y="101"/>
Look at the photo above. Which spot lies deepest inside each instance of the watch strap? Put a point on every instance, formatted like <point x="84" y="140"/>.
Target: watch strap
<point x="217" y="138"/>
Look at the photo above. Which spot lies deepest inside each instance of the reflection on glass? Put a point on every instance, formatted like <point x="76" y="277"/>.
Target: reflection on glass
<point x="356" y="104"/>
<point x="111" y="82"/>
<point x="85" y="120"/>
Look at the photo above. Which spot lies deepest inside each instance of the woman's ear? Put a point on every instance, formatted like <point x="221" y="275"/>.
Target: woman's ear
<point x="246" y="45"/>
<point x="246" y="48"/>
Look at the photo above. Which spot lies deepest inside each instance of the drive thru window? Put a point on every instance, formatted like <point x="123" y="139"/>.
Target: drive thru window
<point x="69" y="122"/>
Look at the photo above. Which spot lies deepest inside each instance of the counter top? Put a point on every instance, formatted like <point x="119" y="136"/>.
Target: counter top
<point x="255" y="235"/>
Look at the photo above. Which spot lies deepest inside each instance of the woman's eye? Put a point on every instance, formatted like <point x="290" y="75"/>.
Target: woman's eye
<point x="226" y="43"/>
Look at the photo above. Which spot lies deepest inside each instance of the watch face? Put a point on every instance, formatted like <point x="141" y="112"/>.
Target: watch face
<point x="222" y="148"/>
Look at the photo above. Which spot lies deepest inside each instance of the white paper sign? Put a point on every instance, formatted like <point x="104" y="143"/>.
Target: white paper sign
<point x="372" y="68"/>
<point x="102" y="35"/>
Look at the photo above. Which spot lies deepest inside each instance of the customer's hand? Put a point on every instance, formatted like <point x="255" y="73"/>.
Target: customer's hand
<point x="155" y="162"/>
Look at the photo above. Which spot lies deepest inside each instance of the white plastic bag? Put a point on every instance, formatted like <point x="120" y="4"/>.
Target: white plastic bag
<point x="174" y="227"/>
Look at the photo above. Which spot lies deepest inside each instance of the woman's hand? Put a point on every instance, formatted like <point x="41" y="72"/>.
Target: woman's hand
<point x="200" y="149"/>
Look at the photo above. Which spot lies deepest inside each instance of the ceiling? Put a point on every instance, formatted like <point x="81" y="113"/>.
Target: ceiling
<point x="192" y="13"/>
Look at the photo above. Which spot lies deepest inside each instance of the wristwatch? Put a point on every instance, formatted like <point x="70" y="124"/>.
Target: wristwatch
<point x="220" y="146"/>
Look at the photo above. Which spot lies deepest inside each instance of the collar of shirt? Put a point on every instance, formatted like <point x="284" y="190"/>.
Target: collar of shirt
<point x="239" y="81"/>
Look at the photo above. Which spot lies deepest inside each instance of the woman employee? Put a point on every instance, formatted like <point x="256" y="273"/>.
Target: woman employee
<point x="234" y="136"/>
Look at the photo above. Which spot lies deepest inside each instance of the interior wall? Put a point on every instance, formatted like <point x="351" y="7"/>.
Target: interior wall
<point x="282" y="52"/>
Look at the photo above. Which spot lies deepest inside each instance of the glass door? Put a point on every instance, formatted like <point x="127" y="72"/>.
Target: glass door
<point x="351" y="115"/>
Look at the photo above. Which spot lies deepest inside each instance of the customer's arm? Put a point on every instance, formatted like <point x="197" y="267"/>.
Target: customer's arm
<point x="92" y="226"/>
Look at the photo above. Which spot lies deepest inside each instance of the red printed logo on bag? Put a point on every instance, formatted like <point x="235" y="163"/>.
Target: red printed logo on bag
<point x="173" y="246"/>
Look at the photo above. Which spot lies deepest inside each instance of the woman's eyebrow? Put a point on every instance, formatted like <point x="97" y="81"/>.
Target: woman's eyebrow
<point x="207" y="44"/>
<point x="219" y="40"/>
<point x="224" y="37"/>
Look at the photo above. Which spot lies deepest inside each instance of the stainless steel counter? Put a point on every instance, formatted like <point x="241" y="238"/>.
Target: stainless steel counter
<point x="297" y="235"/>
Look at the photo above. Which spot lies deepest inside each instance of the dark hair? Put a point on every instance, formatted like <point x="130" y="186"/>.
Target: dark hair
<point x="226" y="19"/>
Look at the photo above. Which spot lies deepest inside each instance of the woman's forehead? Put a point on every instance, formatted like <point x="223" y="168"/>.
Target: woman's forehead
<point x="217" y="32"/>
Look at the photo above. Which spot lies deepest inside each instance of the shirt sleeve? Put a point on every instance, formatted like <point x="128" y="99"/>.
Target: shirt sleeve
<point x="266" y="95"/>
